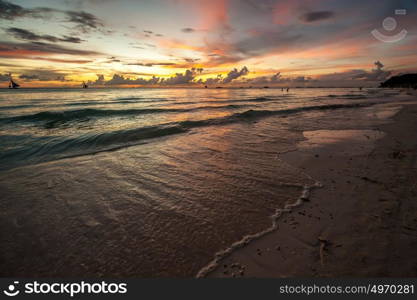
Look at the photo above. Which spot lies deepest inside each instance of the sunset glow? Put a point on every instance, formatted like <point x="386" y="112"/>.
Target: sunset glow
<point x="49" y="43"/>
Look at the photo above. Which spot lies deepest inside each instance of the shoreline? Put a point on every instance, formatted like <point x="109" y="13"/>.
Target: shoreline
<point x="221" y="255"/>
<point x="360" y="224"/>
<point x="136" y="219"/>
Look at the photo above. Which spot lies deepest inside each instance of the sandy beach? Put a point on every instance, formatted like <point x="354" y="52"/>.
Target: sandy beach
<point x="165" y="188"/>
<point x="362" y="222"/>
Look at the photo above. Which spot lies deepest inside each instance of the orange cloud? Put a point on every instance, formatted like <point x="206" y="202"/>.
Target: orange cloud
<point x="20" y="53"/>
<point x="175" y="44"/>
<point x="283" y="12"/>
<point x="213" y="14"/>
<point x="329" y="51"/>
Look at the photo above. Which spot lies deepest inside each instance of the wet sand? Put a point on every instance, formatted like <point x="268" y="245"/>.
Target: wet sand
<point x="361" y="223"/>
<point x="166" y="207"/>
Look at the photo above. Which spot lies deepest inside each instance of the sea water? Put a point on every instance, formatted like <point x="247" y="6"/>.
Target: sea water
<point x="151" y="182"/>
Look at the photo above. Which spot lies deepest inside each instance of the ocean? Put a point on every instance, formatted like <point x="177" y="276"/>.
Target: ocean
<point x="152" y="182"/>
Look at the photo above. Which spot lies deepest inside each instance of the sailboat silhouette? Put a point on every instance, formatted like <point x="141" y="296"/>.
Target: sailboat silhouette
<point x="85" y="85"/>
<point x="12" y="84"/>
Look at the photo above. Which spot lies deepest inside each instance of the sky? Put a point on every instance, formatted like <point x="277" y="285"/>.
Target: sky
<point x="182" y="43"/>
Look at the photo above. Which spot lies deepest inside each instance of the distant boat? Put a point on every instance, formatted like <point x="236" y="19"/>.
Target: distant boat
<point x="12" y="84"/>
<point x="85" y="85"/>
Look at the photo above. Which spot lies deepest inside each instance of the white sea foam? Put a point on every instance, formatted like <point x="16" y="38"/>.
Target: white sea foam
<point x="219" y="256"/>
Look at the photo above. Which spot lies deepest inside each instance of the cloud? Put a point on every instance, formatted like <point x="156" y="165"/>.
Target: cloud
<point x="29" y="77"/>
<point x="191" y="60"/>
<point x="180" y="78"/>
<point x="215" y="80"/>
<point x="377" y="74"/>
<point x="354" y="77"/>
<point x="121" y="80"/>
<point x="278" y="80"/>
<point x="188" y="77"/>
<point x="317" y="16"/>
<point x="232" y="75"/>
<point x="27" y="35"/>
<point x="265" y="42"/>
<point x="349" y="78"/>
<point x="150" y="33"/>
<point x="117" y="79"/>
<point x="301" y="79"/>
<point x="84" y="20"/>
<point x="177" y="79"/>
<point x="100" y="79"/>
<point x="70" y="39"/>
<point x="66" y="61"/>
<point x="141" y="45"/>
<point x="9" y="11"/>
<point x="43" y="75"/>
<point x="25" y="50"/>
<point x="188" y="30"/>
<point x="112" y="59"/>
<point x="378" y="65"/>
<point x="275" y="78"/>
<point x="151" y="64"/>
<point x="213" y="15"/>
<point x="4" y="77"/>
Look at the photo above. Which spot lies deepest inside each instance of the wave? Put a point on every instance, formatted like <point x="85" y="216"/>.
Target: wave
<point x="52" y="148"/>
<point x="348" y="96"/>
<point x="142" y="99"/>
<point x="100" y="102"/>
<point x="57" y="117"/>
<point x="135" y="134"/>
<point x="251" y="114"/>
<point x="257" y="99"/>
<point x="131" y="101"/>
<point x="71" y="114"/>
<point x="11" y="107"/>
<point x="68" y="115"/>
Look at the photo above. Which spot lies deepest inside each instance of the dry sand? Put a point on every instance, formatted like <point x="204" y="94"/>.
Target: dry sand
<point x="361" y="223"/>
